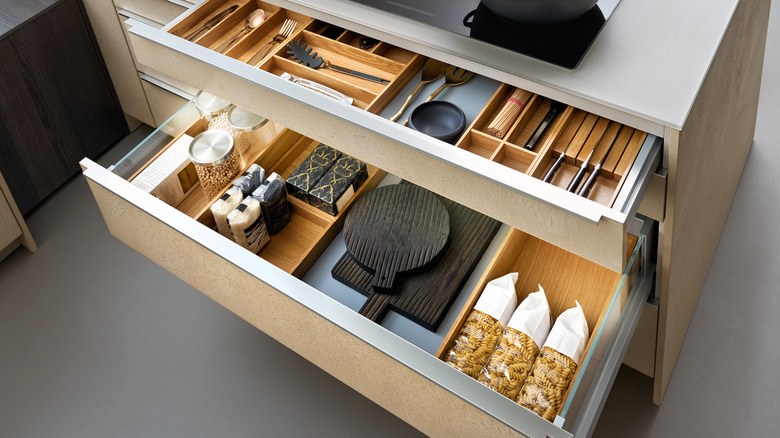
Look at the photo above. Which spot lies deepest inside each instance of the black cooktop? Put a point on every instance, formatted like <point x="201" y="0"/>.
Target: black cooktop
<point x="563" y="44"/>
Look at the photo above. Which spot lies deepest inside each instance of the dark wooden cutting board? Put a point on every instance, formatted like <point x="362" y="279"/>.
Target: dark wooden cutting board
<point x="395" y="229"/>
<point x="427" y="294"/>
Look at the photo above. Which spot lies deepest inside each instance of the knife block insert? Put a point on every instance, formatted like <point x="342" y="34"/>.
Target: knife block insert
<point x="565" y="278"/>
<point x="572" y="127"/>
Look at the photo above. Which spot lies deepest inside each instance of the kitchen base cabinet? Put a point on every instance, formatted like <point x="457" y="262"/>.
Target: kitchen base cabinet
<point x="699" y="134"/>
<point x="706" y="159"/>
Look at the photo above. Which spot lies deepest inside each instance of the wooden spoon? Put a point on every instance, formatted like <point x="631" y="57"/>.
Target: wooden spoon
<point x="452" y="77"/>
<point x="432" y="70"/>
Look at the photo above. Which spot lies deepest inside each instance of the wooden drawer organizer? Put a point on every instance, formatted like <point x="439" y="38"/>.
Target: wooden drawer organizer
<point x="309" y="231"/>
<point x="565" y="278"/>
<point x="383" y="60"/>
<point x="578" y="130"/>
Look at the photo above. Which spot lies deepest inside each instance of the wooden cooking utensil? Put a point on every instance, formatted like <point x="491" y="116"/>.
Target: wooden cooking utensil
<point x="395" y="229"/>
<point x="454" y="76"/>
<point x="432" y="70"/>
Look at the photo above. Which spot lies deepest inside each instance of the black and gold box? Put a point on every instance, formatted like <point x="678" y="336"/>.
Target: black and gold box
<point x="306" y="176"/>
<point x="337" y="186"/>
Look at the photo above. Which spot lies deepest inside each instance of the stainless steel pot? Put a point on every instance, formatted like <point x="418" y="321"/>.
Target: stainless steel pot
<point x="539" y="12"/>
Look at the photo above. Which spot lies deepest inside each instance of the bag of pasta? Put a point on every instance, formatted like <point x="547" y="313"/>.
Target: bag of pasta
<point x="482" y="330"/>
<point x="511" y="362"/>
<point x="555" y="367"/>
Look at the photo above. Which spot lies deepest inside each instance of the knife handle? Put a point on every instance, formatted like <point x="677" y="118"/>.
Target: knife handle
<point x="540" y="129"/>
<point x="577" y="178"/>
<point x="589" y="182"/>
<point x="554" y="168"/>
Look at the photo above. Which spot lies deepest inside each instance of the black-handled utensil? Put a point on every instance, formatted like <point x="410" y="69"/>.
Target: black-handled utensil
<point x="301" y="52"/>
<point x="584" y="167"/>
<point x="597" y="169"/>
<point x="554" y="168"/>
<point x="211" y="23"/>
<point x="555" y="108"/>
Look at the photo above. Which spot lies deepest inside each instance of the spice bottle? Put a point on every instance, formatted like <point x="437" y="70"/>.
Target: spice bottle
<point x="215" y="159"/>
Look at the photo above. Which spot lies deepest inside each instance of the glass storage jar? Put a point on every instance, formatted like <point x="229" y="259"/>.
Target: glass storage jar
<point x="210" y="106"/>
<point x="246" y="128"/>
<point x="216" y="162"/>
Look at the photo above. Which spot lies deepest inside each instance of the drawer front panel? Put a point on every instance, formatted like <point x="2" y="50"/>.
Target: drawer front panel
<point x="164" y="100"/>
<point x="159" y="11"/>
<point x="353" y="349"/>
<point x="580" y="226"/>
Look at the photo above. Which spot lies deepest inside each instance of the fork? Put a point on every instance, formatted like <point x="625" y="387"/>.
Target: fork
<point x="287" y="29"/>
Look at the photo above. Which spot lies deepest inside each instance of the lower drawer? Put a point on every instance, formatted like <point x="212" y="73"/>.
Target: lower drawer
<point x="391" y="369"/>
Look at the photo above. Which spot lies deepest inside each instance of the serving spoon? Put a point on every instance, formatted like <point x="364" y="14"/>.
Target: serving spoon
<point x="252" y="21"/>
<point x="432" y="70"/>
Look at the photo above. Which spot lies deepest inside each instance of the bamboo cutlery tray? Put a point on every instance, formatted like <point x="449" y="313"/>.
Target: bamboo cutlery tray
<point x="309" y="231"/>
<point x="383" y="60"/>
<point x="574" y="129"/>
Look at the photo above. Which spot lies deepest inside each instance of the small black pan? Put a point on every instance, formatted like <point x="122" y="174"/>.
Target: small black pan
<point x="439" y="119"/>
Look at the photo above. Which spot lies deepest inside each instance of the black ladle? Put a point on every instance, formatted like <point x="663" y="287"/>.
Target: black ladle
<point x="301" y="52"/>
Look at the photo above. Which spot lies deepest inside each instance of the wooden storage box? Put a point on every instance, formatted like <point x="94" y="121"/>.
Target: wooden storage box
<point x="566" y="279"/>
<point x="309" y="231"/>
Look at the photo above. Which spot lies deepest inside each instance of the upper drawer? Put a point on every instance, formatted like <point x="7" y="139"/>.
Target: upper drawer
<point x="494" y="176"/>
<point x="287" y="291"/>
<point x="158" y="11"/>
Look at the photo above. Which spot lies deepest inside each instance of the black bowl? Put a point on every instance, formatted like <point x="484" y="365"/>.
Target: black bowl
<point x="439" y="119"/>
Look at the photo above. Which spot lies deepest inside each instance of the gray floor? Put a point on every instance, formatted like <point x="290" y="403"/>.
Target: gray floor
<point x="96" y="341"/>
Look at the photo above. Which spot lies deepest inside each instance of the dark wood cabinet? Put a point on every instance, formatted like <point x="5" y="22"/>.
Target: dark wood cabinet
<point x="57" y="103"/>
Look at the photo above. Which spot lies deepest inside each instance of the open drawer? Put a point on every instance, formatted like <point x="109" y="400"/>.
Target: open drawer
<point x="497" y="178"/>
<point x="390" y="368"/>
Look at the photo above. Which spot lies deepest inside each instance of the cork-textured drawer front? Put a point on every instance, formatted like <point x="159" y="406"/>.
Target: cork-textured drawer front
<point x="495" y="185"/>
<point x="274" y="291"/>
<point x="158" y="11"/>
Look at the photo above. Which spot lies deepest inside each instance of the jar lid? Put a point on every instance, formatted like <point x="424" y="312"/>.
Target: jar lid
<point x="244" y="121"/>
<point x="210" y="104"/>
<point x="211" y="147"/>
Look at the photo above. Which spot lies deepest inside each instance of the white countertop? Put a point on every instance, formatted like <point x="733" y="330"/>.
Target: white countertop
<point x="645" y="68"/>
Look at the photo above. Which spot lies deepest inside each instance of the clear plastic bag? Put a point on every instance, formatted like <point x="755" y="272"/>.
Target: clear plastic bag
<point x="546" y="387"/>
<point x="510" y="364"/>
<point x="247" y="224"/>
<point x="554" y="369"/>
<point x="222" y="208"/>
<point x="250" y="180"/>
<point x="272" y="195"/>
<point x="477" y="339"/>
